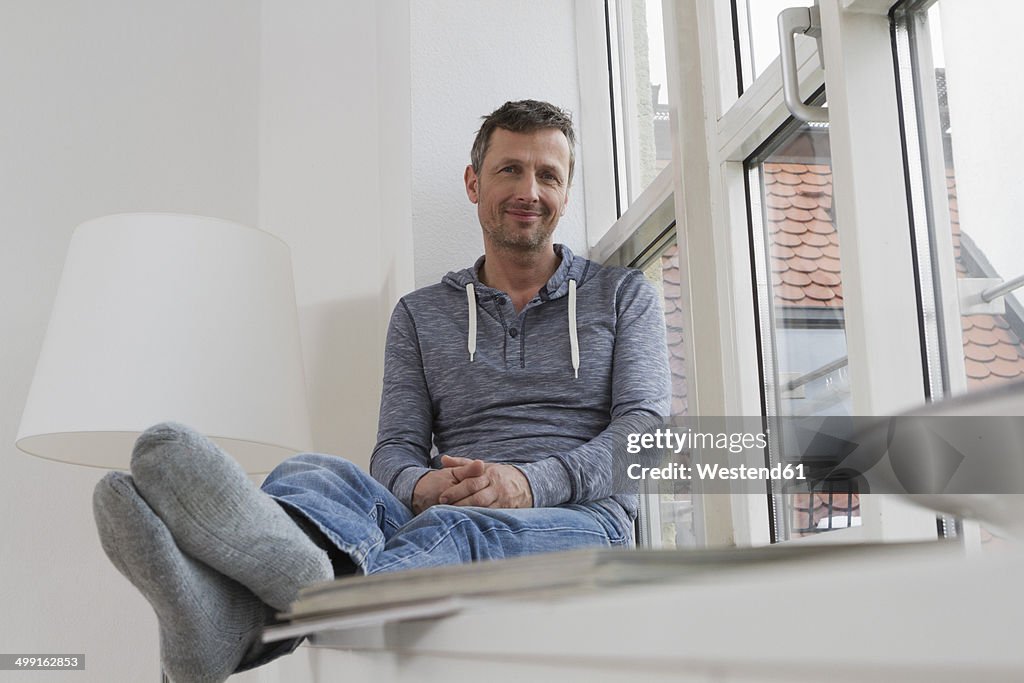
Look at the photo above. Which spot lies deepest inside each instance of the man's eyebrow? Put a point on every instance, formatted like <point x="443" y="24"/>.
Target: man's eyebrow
<point x="502" y="162"/>
<point x="507" y="161"/>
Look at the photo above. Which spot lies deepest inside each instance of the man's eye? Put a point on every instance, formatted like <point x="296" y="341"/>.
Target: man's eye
<point x="508" y="169"/>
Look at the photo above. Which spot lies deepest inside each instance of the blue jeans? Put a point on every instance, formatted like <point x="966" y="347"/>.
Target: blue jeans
<point x="380" y="534"/>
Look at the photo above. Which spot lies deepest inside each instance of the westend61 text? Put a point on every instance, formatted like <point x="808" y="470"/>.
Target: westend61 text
<point x="678" y="472"/>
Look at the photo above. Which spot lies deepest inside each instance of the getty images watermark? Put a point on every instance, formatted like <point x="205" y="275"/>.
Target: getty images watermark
<point x="901" y="455"/>
<point x="666" y="440"/>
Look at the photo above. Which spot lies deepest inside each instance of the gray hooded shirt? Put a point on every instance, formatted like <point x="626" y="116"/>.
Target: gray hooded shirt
<point x="518" y="397"/>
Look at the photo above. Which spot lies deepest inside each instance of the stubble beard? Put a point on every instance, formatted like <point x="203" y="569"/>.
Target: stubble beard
<point x="507" y="236"/>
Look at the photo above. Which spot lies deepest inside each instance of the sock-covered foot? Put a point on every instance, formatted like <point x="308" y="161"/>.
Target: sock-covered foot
<point x="218" y="516"/>
<point x="207" y="621"/>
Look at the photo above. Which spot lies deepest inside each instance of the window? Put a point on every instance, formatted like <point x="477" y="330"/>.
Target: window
<point x="962" y="140"/>
<point x="961" y="137"/>
<point x="813" y="313"/>
<point x="666" y="519"/>
<point x="639" y="95"/>
<point x="756" y="36"/>
<point x="809" y="284"/>
<point x="795" y="246"/>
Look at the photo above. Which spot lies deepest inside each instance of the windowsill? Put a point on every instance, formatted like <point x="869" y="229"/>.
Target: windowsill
<point x="876" y="612"/>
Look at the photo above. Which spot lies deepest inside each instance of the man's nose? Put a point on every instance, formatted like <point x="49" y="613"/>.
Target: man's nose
<point x="527" y="188"/>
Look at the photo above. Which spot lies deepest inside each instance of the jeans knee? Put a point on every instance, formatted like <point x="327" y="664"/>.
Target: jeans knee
<point x="445" y="515"/>
<point x="306" y="462"/>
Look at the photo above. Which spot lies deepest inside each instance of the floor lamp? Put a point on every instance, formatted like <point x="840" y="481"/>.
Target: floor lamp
<point x="170" y="317"/>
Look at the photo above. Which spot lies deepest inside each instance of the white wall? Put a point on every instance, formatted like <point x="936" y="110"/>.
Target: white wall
<point x="334" y="183"/>
<point x="265" y="113"/>
<point x="984" y="108"/>
<point x="108" y="106"/>
<point x="468" y="58"/>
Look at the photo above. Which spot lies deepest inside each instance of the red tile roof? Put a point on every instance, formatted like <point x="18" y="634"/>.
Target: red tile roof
<point x="674" y="322"/>
<point x="803" y="243"/>
<point x="804" y="259"/>
<point x="993" y="353"/>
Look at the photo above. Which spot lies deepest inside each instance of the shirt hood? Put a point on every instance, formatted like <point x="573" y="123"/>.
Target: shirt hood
<point x="571" y="268"/>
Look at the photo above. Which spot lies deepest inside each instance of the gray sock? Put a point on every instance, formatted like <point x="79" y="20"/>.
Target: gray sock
<point x="207" y="621"/>
<point x="218" y="516"/>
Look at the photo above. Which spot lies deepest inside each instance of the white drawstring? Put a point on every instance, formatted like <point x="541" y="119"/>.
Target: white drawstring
<point x="574" y="342"/>
<point x="471" y="340"/>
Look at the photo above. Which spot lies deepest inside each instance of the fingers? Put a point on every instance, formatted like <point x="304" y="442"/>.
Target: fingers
<point x="454" y="495"/>
<point x="462" y="468"/>
<point x="484" y="498"/>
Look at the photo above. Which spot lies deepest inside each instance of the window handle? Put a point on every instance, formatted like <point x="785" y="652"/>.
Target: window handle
<point x="805" y="20"/>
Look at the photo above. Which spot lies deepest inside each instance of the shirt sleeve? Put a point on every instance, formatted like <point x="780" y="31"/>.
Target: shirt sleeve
<point x="402" y="453"/>
<point x="641" y="390"/>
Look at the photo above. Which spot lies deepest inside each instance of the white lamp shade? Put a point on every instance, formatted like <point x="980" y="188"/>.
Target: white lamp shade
<point x="170" y="317"/>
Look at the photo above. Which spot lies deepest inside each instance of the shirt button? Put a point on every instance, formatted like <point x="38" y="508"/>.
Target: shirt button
<point x="513" y="333"/>
<point x="501" y="300"/>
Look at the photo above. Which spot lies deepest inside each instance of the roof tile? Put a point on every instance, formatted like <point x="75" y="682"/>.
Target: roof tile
<point x="815" y="239"/>
<point x="982" y="337"/>
<point x="831" y="251"/>
<point x="1004" y="369"/>
<point x="796" y="278"/>
<point x="982" y="354"/>
<point x="789" y="292"/>
<point x="976" y="370"/>
<point x="788" y="239"/>
<point x="804" y="202"/>
<point x="799" y="215"/>
<point x="792" y="227"/>
<point x="781" y="253"/>
<point x="985" y="322"/>
<point x="1007" y="352"/>
<point x="819" y="226"/>
<point x="825" y="278"/>
<point x="808" y="252"/>
<point x="818" y="292"/>
<point x="803" y="265"/>
<point x="829" y="264"/>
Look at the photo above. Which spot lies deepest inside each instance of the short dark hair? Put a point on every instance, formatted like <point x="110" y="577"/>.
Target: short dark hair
<point x="524" y="116"/>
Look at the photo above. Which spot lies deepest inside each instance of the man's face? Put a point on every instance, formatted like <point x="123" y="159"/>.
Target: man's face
<point x="522" y="188"/>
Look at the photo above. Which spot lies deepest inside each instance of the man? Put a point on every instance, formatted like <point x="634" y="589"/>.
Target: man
<point x="521" y="371"/>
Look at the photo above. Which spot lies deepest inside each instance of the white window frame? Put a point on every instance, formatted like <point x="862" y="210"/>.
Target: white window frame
<point x="709" y="147"/>
<point x="713" y="132"/>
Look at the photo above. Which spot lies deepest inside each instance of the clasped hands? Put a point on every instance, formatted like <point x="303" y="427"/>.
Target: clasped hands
<point x="463" y="481"/>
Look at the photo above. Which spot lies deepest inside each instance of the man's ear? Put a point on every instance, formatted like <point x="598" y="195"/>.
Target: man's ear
<point x="472" y="184"/>
<point x="565" y="203"/>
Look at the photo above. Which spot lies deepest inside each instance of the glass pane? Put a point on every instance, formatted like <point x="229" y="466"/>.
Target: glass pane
<point x="758" y="33"/>
<point x="800" y="304"/>
<point x="963" y="64"/>
<point x="662" y="269"/>
<point x="641" y="100"/>
<point x="963" y="145"/>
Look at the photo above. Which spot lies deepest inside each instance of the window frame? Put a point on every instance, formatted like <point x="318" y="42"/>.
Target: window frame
<point x="713" y="132"/>
<point x="710" y="145"/>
